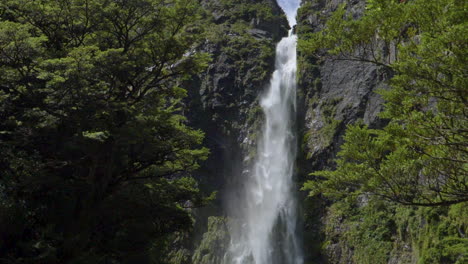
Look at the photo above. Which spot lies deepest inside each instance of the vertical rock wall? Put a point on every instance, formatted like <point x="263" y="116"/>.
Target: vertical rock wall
<point x="337" y="92"/>
<point x="334" y="93"/>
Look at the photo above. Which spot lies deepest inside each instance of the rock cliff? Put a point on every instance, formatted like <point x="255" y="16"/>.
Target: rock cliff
<point x="335" y="92"/>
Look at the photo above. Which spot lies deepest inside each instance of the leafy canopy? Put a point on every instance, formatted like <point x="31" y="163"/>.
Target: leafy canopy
<point x="95" y="153"/>
<point x="421" y="156"/>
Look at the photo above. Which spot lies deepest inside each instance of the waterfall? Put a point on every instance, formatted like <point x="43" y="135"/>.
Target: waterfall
<point x="266" y="230"/>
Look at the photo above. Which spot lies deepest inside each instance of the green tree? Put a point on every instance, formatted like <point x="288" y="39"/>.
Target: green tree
<point x="421" y="156"/>
<point x="95" y="153"/>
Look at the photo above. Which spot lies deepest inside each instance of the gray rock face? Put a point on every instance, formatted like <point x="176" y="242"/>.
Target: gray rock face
<point x="344" y="92"/>
<point x="335" y="92"/>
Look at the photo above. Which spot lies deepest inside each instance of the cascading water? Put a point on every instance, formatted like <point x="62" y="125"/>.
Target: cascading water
<point x="266" y="230"/>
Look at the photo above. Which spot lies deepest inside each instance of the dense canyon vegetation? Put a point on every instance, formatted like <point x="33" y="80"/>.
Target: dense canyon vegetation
<point x="127" y="127"/>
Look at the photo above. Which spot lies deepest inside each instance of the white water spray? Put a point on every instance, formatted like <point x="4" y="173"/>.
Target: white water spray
<point x="266" y="232"/>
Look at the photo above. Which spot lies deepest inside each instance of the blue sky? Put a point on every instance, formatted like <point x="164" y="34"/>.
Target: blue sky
<point x="290" y="8"/>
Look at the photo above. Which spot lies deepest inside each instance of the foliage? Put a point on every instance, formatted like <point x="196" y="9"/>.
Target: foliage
<point x="376" y="231"/>
<point x="94" y="152"/>
<point x="244" y="46"/>
<point x="247" y="10"/>
<point x="369" y="230"/>
<point x="438" y="233"/>
<point x="420" y="157"/>
<point x="214" y="242"/>
<point x="251" y="55"/>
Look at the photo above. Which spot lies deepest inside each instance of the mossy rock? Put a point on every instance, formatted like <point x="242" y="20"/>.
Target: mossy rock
<point x="214" y="242"/>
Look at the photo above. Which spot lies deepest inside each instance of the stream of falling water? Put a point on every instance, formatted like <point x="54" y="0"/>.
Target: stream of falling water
<point x="267" y="231"/>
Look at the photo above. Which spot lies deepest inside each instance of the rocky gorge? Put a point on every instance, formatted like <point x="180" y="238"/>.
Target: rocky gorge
<point x="233" y="132"/>
<point x="333" y="92"/>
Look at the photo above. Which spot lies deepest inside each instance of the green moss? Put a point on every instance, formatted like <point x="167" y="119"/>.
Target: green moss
<point x="442" y="237"/>
<point x="328" y="132"/>
<point x="254" y="123"/>
<point x="214" y="242"/>
<point x="305" y="143"/>
<point x="325" y="135"/>
<point x="254" y="115"/>
<point x="246" y="10"/>
<point x="367" y="230"/>
<point x="376" y="231"/>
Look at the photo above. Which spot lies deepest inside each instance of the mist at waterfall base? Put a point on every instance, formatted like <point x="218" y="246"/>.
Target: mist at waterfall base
<point x="263" y="214"/>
